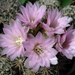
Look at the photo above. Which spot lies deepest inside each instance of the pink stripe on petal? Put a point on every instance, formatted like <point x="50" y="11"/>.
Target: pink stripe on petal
<point x="53" y="51"/>
<point x="7" y="31"/>
<point x="31" y="63"/>
<point x="63" y="38"/>
<point x="42" y="62"/>
<point x="22" y="8"/>
<point x="36" y="67"/>
<point x="67" y="54"/>
<point x="41" y="38"/>
<point x="47" y="62"/>
<point x="48" y="54"/>
<point x="19" y="51"/>
<point x="5" y="51"/>
<point x="4" y="44"/>
<point x="19" y="16"/>
<point x="6" y="26"/>
<point x="12" y="51"/>
<point x="14" y="55"/>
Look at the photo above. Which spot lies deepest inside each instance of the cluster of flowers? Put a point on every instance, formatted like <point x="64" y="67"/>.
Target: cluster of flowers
<point x="51" y="36"/>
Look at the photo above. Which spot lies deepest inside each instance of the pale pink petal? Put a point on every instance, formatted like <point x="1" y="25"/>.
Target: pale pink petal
<point x="41" y="38"/>
<point x="62" y="40"/>
<point x="54" y="61"/>
<point x="67" y="54"/>
<point x="12" y="57"/>
<point x="55" y="24"/>
<point x="42" y="62"/>
<point x="26" y="64"/>
<point x="47" y="62"/>
<point x="36" y="68"/>
<point x="5" y="51"/>
<point x="31" y="63"/>
<point x="12" y="40"/>
<point x="36" y="57"/>
<point x="19" y="16"/>
<point x="31" y="14"/>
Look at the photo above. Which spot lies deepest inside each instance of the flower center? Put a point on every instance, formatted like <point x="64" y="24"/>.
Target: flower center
<point x="52" y="25"/>
<point x="19" y="41"/>
<point x="38" y="50"/>
<point x="32" y="21"/>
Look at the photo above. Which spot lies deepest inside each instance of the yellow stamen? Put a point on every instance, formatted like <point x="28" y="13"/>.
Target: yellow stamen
<point x="38" y="50"/>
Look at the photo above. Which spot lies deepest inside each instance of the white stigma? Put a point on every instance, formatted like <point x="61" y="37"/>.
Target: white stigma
<point x="19" y="41"/>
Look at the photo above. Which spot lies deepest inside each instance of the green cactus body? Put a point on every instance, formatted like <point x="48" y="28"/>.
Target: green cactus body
<point x="49" y="3"/>
<point x="8" y="10"/>
<point x="69" y="11"/>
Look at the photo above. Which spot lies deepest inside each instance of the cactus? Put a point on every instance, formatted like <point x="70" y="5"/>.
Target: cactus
<point x="18" y="64"/>
<point x="49" y="3"/>
<point x="8" y="10"/>
<point x="5" y="66"/>
<point x="16" y="67"/>
<point x="69" y="11"/>
<point x="0" y="51"/>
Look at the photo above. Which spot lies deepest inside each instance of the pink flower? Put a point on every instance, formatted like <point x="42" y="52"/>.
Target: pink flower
<point x="40" y="52"/>
<point x="31" y="14"/>
<point x="66" y="43"/>
<point x="12" y="40"/>
<point x="55" y="22"/>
